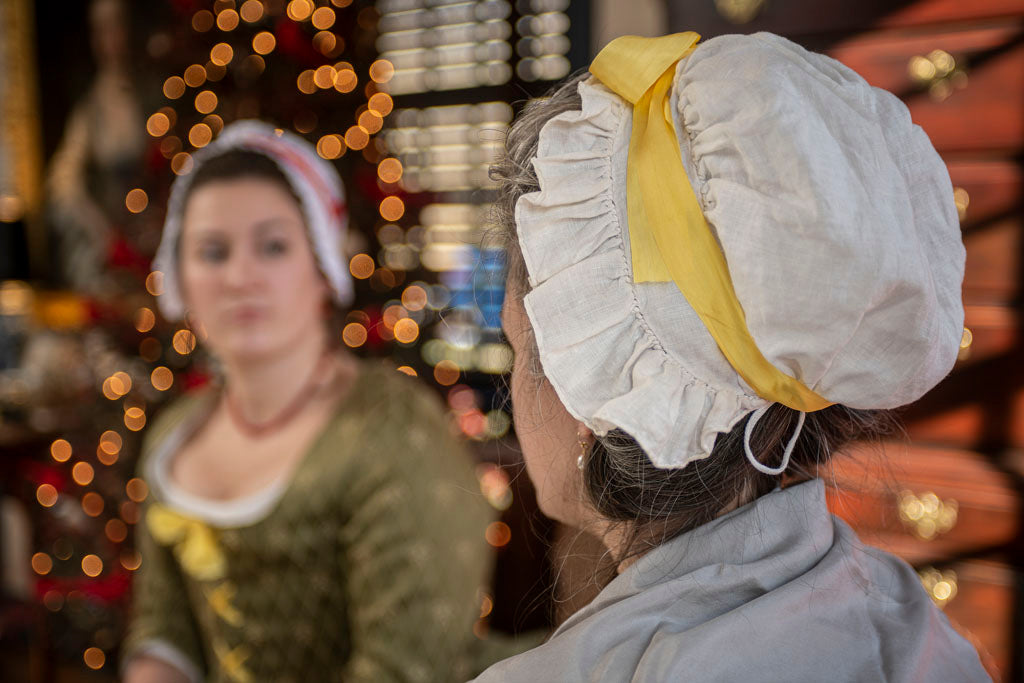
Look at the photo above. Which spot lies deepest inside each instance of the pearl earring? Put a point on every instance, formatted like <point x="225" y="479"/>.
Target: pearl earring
<point x="583" y="452"/>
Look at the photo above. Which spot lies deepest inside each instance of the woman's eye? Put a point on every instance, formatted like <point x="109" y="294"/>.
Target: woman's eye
<point x="275" y="247"/>
<point x="213" y="253"/>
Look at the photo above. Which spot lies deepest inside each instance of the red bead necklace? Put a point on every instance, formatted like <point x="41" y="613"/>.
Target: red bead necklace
<point x="310" y="390"/>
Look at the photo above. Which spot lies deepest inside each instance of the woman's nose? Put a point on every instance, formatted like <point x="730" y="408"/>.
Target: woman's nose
<point x="240" y="270"/>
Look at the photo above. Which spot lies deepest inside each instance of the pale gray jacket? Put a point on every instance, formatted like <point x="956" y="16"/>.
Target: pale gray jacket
<point x="778" y="590"/>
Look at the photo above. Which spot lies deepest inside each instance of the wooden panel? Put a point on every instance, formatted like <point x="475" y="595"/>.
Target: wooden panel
<point x="996" y="332"/>
<point x="802" y="17"/>
<point x="986" y="114"/>
<point x="870" y="486"/>
<point x="977" y="422"/>
<point x="982" y="610"/>
<point x="992" y="274"/>
<point x="995" y="189"/>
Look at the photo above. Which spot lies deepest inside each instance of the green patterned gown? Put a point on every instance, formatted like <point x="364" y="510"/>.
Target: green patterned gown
<point x="364" y="566"/>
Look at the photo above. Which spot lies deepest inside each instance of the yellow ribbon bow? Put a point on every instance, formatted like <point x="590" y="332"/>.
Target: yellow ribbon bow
<point x="195" y="543"/>
<point x="232" y="661"/>
<point x="668" y="234"/>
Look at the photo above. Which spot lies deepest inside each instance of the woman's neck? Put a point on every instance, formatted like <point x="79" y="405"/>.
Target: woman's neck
<point x="263" y="387"/>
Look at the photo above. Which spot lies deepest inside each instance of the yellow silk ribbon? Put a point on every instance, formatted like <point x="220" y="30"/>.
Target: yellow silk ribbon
<point x="195" y="543"/>
<point x="669" y="237"/>
<point x="232" y="661"/>
<point x="220" y="600"/>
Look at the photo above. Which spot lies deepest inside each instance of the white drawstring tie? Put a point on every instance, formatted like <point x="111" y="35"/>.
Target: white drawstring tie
<point x="758" y="465"/>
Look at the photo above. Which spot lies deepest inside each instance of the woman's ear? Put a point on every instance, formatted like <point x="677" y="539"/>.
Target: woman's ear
<point x="584" y="435"/>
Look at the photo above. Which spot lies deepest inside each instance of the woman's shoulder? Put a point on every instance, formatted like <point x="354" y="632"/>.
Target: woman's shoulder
<point x="396" y="420"/>
<point x="392" y="394"/>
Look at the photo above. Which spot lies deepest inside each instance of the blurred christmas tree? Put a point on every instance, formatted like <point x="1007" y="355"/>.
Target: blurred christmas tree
<point x="95" y="367"/>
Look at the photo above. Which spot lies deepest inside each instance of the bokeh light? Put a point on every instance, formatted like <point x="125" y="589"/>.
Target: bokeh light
<point x="182" y="163"/>
<point x="371" y="121"/>
<point x="116" y="530"/>
<point x="134" y="419"/>
<point x="92" y="504"/>
<point x="92" y="566"/>
<point x="305" y="82"/>
<point x="357" y="137"/>
<point x="136" y="200"/>
<point x="495" y="486"/>
<point x="227" y="20"/>
<point x="60" y="450"/>
<point x="392" y="208"/>
<point x="111" y="442"/>
<point x="195" y="76"/>
<point x="264" y="42"/>
<point x="123" y="381"/>
<point x="161" y="378"/>
<point x="414" y="298"/>
<point x="174" y="87"/>
<point x="323" y="76"/>
<point x="200" y="135"/>
<point x="202" y="21"/>
<point x="354" y="335"/>
<point x="299" y="10"/>
<point x="42" y="564"/>
<point x="155" y="283"/>
<point x="136" y="489"/>
<point x="381" y="103"/>
<point x="93" y="656"/>
<point x="170" y="146"/>
<point x="498" y="534"/>
<point x="184" y="342"/>
<point x="251" y="11"/>
<point x="323" y="18"/>
<point x="446" y="373"/>
<point x="206" y="102"/>
<point x="389" y="170"/>
<point x="53" y="600"/>
<point x="406" y="330"/>
<point x="330" y="146"/>
<point x="82" y="473"/>
<point x="345" y="80"/>
<point x="361" y="266"/>
<point x="46" y="494"/>
<point x="381" y="71"/>
<point x="129" y="512"/>
<point x="131" y="560"/>
<point x="145" y="319"/>
<point x="326" y="43"/>
<point x="966" y="339"/>
<point x="392" y="314"/>
<point x="221" y="54"/>
<point x="158" y="124"/>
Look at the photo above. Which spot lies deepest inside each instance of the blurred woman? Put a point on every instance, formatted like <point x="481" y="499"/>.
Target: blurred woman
<point x="724" y="261"/>
<point x="311" y="516"/>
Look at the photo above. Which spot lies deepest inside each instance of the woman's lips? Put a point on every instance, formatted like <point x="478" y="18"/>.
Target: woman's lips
<point x="243" y="315"/>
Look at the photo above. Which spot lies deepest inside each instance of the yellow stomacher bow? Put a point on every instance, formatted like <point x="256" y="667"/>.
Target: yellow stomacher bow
<point x="668" y="235"/>
<point x="195" y="543"/>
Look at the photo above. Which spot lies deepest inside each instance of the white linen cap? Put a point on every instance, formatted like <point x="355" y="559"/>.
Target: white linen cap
<point x="833" y="211"/>
<point x="315" y="181"/>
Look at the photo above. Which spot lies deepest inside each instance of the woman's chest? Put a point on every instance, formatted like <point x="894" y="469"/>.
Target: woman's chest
<point x="220" y="464"/>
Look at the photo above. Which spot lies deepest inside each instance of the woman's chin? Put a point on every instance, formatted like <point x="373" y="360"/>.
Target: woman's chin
<point x="560" y="510"/>
<point x="251" y="347"/>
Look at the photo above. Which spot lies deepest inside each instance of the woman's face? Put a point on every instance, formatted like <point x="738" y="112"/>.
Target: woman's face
<point x="248" y="273"/>
<point x="109" y="32"/>
<point x="548" y="435"/>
